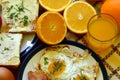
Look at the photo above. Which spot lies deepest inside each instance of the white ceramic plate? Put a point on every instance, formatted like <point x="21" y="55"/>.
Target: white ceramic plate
<point x="34" y="57"/>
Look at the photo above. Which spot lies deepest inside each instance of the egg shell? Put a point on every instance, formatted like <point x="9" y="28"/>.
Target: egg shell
<point x="6" y="74"/>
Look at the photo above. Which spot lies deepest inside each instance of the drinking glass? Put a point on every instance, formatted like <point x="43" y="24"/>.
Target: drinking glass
<point x="102" y="31"/>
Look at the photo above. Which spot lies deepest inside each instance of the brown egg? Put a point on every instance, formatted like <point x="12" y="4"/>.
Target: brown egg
<point x="6" y="74"/>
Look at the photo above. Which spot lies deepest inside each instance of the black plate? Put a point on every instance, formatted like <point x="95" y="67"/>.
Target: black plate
<point x="72" y="43"/>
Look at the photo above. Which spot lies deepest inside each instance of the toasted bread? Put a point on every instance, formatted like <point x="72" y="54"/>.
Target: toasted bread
<point x="19" y="15"/>
<point x="10" y="49"/>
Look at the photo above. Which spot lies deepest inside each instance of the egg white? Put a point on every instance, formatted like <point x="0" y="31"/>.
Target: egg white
<point x="74" y="65"/>
<point x="52" y="55"/>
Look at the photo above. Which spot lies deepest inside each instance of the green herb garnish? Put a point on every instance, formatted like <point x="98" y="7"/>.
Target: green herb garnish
<point x="45" y="60"/>
<point x="1" y="38"/>
<point x="11" y="16"/>
<point x="19" y="8"/>
<point x="57" y="66"/>
<point x="5" y="49"/>
<point x="25" y="20"/>
<point x="9" y="8"/>
<point x="73" y="78"/>
<point x="10" y="37"/>
<point x="83" y="78"/>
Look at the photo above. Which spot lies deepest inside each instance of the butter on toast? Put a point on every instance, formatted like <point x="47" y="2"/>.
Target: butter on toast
<point x="10" y="49"/>
<point x="19" y="15"/>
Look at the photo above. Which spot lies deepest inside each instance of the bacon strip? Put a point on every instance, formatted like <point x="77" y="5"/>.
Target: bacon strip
<point x="37" y="75"/>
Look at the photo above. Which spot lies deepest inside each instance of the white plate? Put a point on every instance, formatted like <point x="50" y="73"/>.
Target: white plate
<point x="34" y="57"/>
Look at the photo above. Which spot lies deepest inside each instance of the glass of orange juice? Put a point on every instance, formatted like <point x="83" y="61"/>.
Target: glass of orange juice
<point x="102" y="31"/>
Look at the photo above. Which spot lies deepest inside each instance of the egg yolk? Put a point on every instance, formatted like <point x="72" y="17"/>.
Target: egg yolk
<point x="56" y="67"/>
<point x="81" y="77"/>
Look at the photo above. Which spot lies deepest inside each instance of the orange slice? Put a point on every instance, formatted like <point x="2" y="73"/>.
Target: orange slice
<point x="54" y="5"/>
<point x="51" y="27"/>
<point x="77" y="15"/>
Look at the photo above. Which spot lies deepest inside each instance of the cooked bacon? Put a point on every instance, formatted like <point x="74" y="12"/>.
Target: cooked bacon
<point x="37" y="75"/>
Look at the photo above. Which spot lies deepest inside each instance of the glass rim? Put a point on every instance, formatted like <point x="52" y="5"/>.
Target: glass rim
<point x="115" y="27"/>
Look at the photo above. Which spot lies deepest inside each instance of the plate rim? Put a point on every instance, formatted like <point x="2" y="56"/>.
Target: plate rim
<point x="73" y="43"/>
<point x="29" y="48"/>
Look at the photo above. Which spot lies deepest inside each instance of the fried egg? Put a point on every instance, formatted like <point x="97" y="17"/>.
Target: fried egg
<point x="59" y="63"/>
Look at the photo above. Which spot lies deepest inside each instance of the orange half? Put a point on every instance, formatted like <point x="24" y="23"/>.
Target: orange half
<point x="54" y="5"/>
<point x="77" y="15"/>
<point x="51" y="27"/>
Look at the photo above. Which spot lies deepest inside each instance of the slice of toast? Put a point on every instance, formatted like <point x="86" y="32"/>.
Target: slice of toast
<point x="19" y="15"/>
<point x="10" y="49"/>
